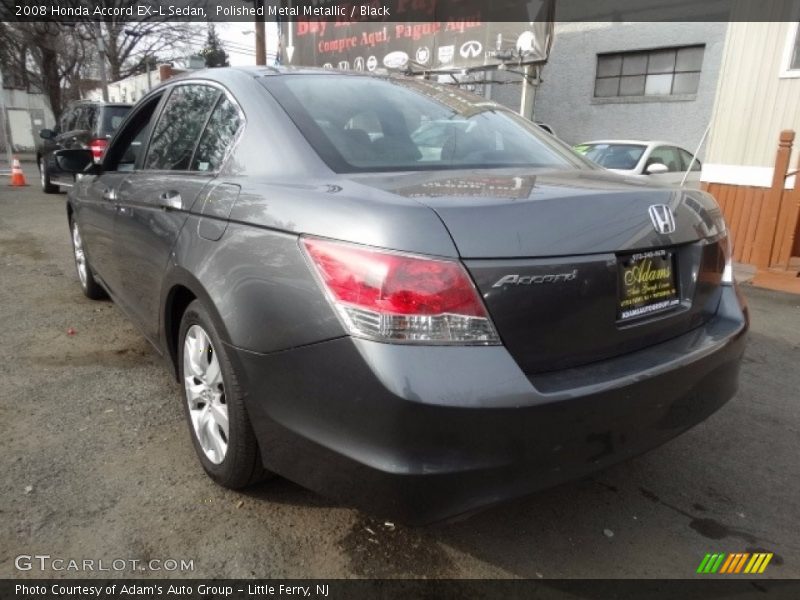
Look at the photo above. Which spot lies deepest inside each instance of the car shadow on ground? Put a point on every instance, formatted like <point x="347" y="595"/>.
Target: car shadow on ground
<point x="680" y="501"/>
<point x="282" y="491"/>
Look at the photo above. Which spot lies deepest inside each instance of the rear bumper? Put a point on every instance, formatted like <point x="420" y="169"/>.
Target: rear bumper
<point x="422" y="433"/>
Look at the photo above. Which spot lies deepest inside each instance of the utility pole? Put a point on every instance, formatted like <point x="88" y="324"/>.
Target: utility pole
<point x="147" y="58"/>
<point x="530" y="80"/>
<point x="290" y="45"/>
<point x="261" y="34"/>
<point x="101" y="50"/>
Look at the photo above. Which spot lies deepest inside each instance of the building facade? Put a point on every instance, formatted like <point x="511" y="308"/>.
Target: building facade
<point x="24" y="114"/>
<point x="753" y="143"/>
<point x="629" y="81"/>
<point x="133" y="88"/>
<point x="758" y="97"/>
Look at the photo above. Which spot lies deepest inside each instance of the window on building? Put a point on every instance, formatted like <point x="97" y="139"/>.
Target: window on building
<point x="794" y="61"/>
<point x="661" y="72"/>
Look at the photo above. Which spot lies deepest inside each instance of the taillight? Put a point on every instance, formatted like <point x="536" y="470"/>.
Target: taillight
<point x="391" y="296"/>
<point x="98" y="146"/>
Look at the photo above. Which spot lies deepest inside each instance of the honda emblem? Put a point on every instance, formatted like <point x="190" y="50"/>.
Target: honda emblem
<point x="662" y="218"/>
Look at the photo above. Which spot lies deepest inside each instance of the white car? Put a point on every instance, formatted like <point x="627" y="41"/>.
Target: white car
<point x="661" y="161"/>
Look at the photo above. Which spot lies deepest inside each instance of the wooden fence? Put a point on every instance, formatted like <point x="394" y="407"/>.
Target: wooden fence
<point x="741" y="206"/>
<point x="765" y="222"/>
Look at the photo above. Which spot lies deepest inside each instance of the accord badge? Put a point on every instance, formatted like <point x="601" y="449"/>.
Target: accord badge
<point x="535" y="279"/>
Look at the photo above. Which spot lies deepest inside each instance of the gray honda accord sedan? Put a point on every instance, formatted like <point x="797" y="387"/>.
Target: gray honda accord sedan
<point x="400" y="295"/>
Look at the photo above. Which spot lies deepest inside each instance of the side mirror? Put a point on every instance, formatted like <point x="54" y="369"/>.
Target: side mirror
<point x="76" y="160"/>
<point x="47" y="134"/>
<point x="656" y="169"/>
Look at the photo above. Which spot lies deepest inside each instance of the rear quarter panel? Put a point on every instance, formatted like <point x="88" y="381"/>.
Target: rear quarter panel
<point x="257" y="282"/>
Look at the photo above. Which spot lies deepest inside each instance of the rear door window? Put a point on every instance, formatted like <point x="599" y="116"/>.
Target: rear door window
<point x="112" y="118"/>
<point x="87" y="118"/>
<point x="176" y="134"/>
<point x="687" y="160"/>
<point x="64" y="120"/>
<point x="68" y="123"/>
<point x="218" y="137"/>
<point x="665" y="155"/>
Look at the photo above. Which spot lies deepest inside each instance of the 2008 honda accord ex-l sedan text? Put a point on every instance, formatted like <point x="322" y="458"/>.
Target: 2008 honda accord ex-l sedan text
<point x="400" y="295"/>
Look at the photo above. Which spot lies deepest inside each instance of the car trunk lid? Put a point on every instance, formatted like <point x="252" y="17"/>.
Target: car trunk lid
<point x="549" y="250"/>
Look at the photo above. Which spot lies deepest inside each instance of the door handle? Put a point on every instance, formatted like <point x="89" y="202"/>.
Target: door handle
<point x="170" y="200"/>
<point x="110" y="194"/>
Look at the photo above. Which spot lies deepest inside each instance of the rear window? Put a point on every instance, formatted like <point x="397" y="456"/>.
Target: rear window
<point x="112" y="118"/>
<point x="86" y="118"/>
<point x="613" y="156"/>
<point x="372" y="124"/>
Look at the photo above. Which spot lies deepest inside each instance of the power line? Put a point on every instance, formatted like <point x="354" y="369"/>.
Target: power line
<point x="198" y="38"/>
<point x="235" y="46"/>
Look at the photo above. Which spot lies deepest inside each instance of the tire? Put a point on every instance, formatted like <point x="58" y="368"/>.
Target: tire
<point x="211" y="392"/>
<point x="44" y="178"/>
<point x="91" y="289"/>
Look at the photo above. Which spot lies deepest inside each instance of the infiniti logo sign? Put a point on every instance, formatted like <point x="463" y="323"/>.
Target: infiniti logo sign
<point x="662" y="218"/>
<point x="470" y="49"/>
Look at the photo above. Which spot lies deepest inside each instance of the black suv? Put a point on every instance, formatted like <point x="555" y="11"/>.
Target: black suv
<point x="84" y="124"/>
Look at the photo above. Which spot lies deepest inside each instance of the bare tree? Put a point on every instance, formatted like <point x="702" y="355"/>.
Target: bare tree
<point x="128" y="44"/>
<point x="48" y="56"/>
<point x="56" y="57"/>
<point x="13" y="58"/>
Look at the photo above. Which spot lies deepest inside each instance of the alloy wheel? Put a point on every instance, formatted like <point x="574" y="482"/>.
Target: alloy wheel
<point x="205" y="394"/>
<point x="80" y="255"/>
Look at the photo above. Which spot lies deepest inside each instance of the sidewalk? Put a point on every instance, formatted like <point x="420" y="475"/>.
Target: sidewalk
<point x="778" y="281"/>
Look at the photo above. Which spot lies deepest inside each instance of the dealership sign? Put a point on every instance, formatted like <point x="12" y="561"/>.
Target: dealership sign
<point x="417" y="46"/>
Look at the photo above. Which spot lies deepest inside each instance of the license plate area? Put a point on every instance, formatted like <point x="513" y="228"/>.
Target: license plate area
<point x="647" y="284"/>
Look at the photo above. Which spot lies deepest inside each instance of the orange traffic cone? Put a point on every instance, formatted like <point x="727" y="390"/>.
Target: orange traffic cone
<point x="17" y="176"/>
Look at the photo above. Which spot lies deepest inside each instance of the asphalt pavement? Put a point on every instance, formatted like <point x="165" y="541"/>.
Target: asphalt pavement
<point x="97" y="462"/>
